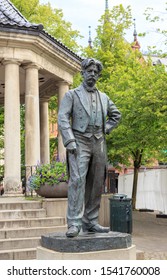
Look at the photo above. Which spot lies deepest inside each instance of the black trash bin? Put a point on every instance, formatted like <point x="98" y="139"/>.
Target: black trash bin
<point x="121" y="213"/>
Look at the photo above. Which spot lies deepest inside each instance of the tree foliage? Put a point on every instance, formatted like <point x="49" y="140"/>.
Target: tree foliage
<point x="156" y="17"/>
<point x="52" y="20"/>
<point x="139" y="90"/>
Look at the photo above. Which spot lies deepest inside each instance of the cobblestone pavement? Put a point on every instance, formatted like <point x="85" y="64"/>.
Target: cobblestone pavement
<point x="150" y="235"/>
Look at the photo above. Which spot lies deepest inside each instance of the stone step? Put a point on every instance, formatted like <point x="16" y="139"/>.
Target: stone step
<point x="19" y="243"/>
<point x="29" y="232"/>
<point x="18" y="254"/>
<point x="22" y="205"/>
<point x="21" y="225"/>
<point x="17" y="214"/>
<point x="36" y="222"/>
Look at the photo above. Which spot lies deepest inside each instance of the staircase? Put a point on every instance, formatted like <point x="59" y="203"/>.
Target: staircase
<point x="21" y="225"/>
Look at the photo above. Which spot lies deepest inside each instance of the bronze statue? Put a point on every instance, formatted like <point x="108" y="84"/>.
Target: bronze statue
<point x="85" y="116"/>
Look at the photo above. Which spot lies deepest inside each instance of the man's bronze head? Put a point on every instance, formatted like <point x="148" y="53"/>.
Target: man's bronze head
<point x="88" y="61"/>
<point x="91" y="69"/>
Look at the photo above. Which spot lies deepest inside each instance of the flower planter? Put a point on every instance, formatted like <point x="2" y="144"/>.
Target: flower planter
<point x="53" y="191"/>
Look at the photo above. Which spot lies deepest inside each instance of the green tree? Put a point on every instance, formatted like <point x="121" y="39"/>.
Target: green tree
<point x="141" y="136"/>
<point x="137" y="88"/>
<point x="52" y="20"/>
<point x="27" y="9"/>
<point x="156" y="17"/>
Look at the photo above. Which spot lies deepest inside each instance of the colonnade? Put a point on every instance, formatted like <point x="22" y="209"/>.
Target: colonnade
<point x="36" y="122"/>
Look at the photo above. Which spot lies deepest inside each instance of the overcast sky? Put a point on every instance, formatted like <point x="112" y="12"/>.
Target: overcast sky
<point x="82" y="13"/>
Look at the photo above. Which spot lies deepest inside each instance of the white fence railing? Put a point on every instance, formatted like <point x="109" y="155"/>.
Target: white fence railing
<point x="151" y="190"/>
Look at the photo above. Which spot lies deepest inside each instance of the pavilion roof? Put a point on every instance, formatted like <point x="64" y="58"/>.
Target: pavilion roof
<point x="9" y="15"/>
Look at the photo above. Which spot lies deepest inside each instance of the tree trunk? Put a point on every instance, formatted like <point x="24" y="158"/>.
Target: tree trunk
<point x="134" y="192"/>
<point x="137" y="163"/>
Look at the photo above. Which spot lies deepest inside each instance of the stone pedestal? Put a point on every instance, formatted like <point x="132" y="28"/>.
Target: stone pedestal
<point x="106" y="246"/>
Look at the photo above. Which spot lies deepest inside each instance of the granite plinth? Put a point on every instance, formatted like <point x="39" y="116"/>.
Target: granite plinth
<point x="86" y="242"/>
<point x="115" y="254"/>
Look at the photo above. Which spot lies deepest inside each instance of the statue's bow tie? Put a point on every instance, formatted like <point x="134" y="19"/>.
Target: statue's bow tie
<point x="91" y="89"/>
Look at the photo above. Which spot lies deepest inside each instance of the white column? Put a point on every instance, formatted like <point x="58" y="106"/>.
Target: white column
<point x="32" y="129"/>
<point x="63" y="88"/>
<point x="12" y="176"/>
<point x="44" y="132"/>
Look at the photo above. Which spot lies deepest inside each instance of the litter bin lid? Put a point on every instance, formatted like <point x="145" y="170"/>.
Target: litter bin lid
<point x="119" y="196"/>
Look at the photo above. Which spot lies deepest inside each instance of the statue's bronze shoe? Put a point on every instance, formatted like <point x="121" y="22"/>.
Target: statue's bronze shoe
<point x="95" y="228"/>
<point x="73" y="231"/>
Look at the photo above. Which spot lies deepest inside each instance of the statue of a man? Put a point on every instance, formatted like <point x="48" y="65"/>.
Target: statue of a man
<point x="85" y="116"/>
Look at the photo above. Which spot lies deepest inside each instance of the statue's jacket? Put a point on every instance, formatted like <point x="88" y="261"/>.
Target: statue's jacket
<point x="74" y="113"/>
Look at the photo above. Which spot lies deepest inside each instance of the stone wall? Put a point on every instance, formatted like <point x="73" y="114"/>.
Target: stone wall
<point x="58" y="207"/>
